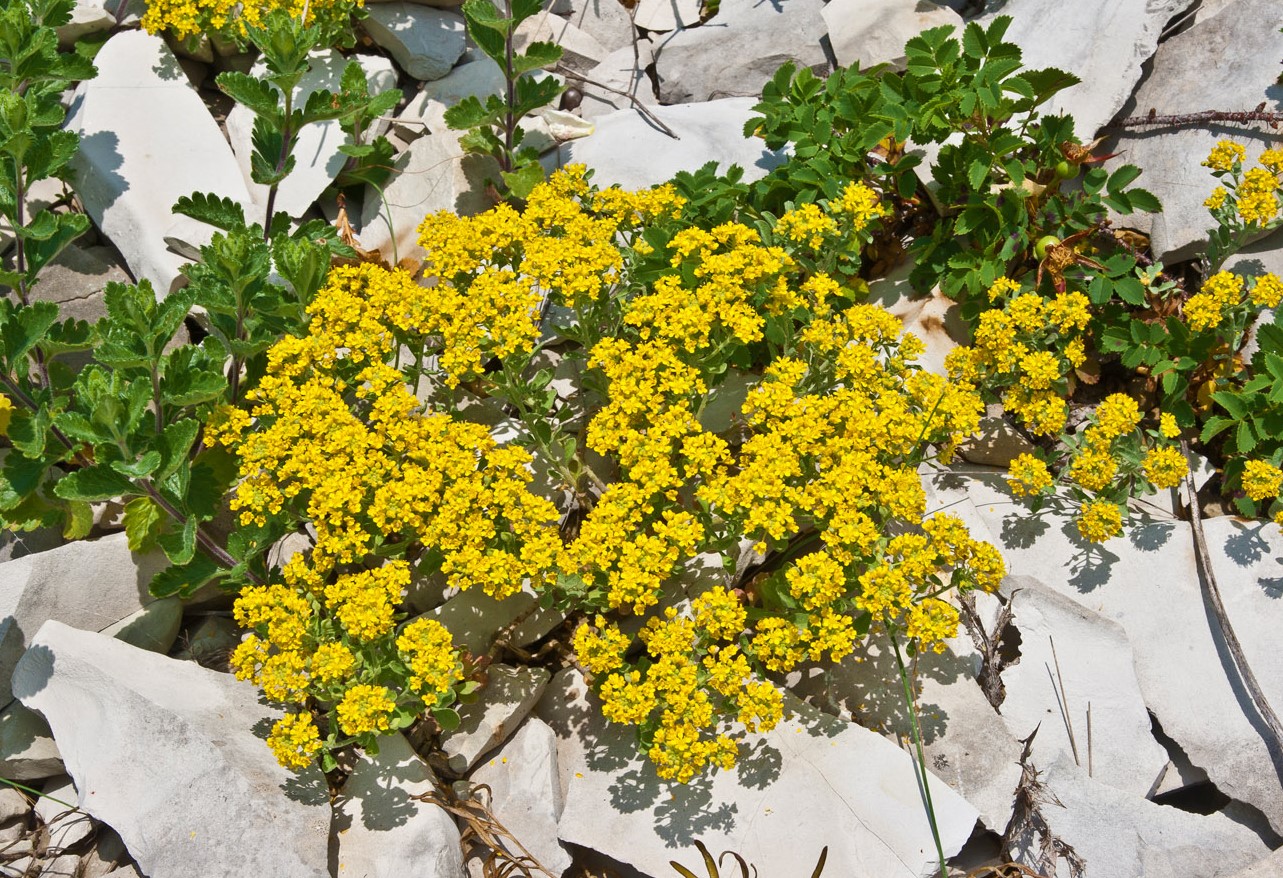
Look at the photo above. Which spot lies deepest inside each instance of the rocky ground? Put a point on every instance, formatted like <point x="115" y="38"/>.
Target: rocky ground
<point x="1150" y="758"/>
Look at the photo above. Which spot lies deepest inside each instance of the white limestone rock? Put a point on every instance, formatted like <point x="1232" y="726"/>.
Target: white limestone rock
<point x="1093" y="661"/>
<point x="1102" y="42"/>
<point x="1229" y="60"/>
<point x="620" y="71"/>
<point x="661" y="16"/>
<point x="146" y="139"/>
<point x="66" y="825"/>
<point x="154" y="627"/>
<point x="796" y="782"/>
<point x="580" y="51"/>
<point x="432" y="175"/>
<point x="735" y="54"/>
<point x="628" y="151"/>
<point x="525" y="792"/>
<point x="425" y="42"/>
<point x="869" y="32"/>
<point x="13" y="804"/>
<point x="997" y="442"/>
<point x="95" y="16"/>
<point x="966" y="743"/>
<point x="606" y="21"/>
<point x="316" y="153"/>
<point x="27" y="748"/>
<point x="381" y="832"/>
<point x="474" y="618"/>
<point x="500" y="707"/>
<point x="1124" y="836"/>
<point x="934" y="318"/>
<point x="1180" y="663"/>
<point x="425" y="113"/>
<point x="84" y="584"/>
<point x="170" y="755"/>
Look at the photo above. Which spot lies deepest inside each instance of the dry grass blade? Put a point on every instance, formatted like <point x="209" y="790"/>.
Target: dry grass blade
<point x="483" y="829"/>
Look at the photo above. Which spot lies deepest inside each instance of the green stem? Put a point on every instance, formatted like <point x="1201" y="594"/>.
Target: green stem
<point x="921" y="764"/>
<point x="27" y="789"/>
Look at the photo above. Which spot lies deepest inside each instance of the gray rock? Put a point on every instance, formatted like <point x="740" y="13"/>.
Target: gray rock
<point x="316" y="152"/>
<point x="474" y="618"/>
<point x="107" y="853"/>
<point x="1101" y="42"/>
<point x="170" y="756"/>
<point x="606" y="21"/>
<point x="869" y="32"/>
<point x="146" y="139"/>
<point x="381" y="832"/>
<point x="27" y="748"/>
<point x="1270" y="867"/>
<point x="85" y="584"/>
<point x="125" y="872"/>
<point x="817" y="765"/>
<point x="966" y="743"/>
<point x="997" y="443"/>
<point x="525" y="792"/>
<point x="620" y="71"/>
<point x="1180" y="663"/>
<point x="500" y="707"/>
<point x="1229" y="60"/>
<point x="1093" y="661"/>
<point x="1123" y="836"/>
<point x="660" y="16"/>
<point x="96" y="16"/>
<point x="76" y="279"/>
<point x="432" y="175"/>
<point x="13" y="804"/>
<point x="580" y="51"/>
<point x="67" y="825"/>
<point x="934" y="318"/>
<point x="210" y="640"/>
<point x="16" y="544"/>
<point x="426" y="42"/>
<point x="154" y="627"/>
<point x="738" y="51"/>
<point x="628" y="151"/>
<point x="425" y="113"/>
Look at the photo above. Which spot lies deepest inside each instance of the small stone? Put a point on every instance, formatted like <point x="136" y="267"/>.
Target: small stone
<point x="500" y="707"/>
<point x="67" y="825"/>
<point x="426" y="42"/>
<point x="27" y="748"/>
<point x="154" y="627"/>
<point x="13" y="804"/>
<point x="661" y="16"/>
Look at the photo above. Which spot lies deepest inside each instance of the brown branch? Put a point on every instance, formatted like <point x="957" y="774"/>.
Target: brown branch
<point x="1213" y="592"/>
<point x="1207" y="117"/>
<point x="641" y="108"/>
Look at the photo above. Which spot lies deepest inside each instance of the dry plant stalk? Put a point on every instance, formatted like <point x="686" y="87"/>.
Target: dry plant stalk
<point x="483" y="830"/>
<point x="1029" y="825"/>
<point x="989" y="645"/>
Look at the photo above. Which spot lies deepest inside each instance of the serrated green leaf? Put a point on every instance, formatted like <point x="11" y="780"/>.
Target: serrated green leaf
<point x="78" y="520"/>
<point x="140" y="468"/>
<point x="211" y="209"/>
<point x="180" y="545"/>
<point x="536" y="56"/>
<point x="97" y="482"/>
<point x="143" y="523"/>
<point x="255" y="94"/>
<point x="183" y="579"/>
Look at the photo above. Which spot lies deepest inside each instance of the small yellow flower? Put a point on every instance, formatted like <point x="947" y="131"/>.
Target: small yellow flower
<point x="1117" y="415"/>
<point x="1167" y="425"/>
<point x="365" y="708"/>
<point x="1224" y="156"/>
<point x="1028" y="475"/>
<point x="294" y="740"/>
<point x="1216" y="199"/>
<point x="1165" y="467"/>
<point x="1268" y="291"/>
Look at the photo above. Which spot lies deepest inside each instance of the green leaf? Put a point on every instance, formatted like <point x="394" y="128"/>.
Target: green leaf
<point x="1119" y="180"/>
<point x="1232" y="403"/>
<point x="183" y="579"/>
<point x="523" y="181"/>
<point x="536" y="56"/>
<point x="1245" y="438"/>
<point x="140" y="468"/>
<point x="1144" y="201"/>
<point x="97" y="482"/>
<point x="180" y="546"/>
<point x="1213" y="427"/>
<point x="174" y="443"/>
<point x="143" y="523"/>
<point x="78" y="520"/>
<point x="255" y="94"/>
<point x="211" y="209"/>
<point x="447" y="718"/>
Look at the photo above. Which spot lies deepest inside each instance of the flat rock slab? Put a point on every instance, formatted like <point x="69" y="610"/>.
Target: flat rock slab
<point x="1123" y="836"/>
<point x="86" y="584"/>
<point x="1229" y="61"/>
<point x="381" y="831"/>
<point x="146" y="139"/>
<point x="739" y="50"/>
<point x="500" y="707"/>
<point x="172" y="757"/>
<point x="525" y="792"/>
<point x="869" y="32"/>
<point x="1181" y="664"/>
<point x="1092" y="660"/>
<point x="795" y="783"/>
<point x="1102" y="42"/>
<point x="628" y="150"/>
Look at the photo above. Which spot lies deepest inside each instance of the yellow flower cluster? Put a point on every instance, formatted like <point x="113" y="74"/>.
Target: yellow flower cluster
<point x="229" y="18"/>
<point x="294" y="740"/>
<point x="1206" y="309"/>
<point x="1224" y="156"/>
<point x="1027" y="475"/>
<point x="1165" y="467"/>
<point x="1256" y="191"/>
<point x="1099" y="521"/>
<point x="1261" y="480"/>
<point x="1027" y="346"/>
<point x="1267" y="291"/>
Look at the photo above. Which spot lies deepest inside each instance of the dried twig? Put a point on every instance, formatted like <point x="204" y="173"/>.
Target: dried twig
<point x="482" y="827"/>
<point x="1062" y="699"/>
<point x="641" y="108"/>
<point x="1207" y="117"/>
<point x="1213" y="594"/>
<point x="1029" y="831"/>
